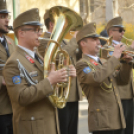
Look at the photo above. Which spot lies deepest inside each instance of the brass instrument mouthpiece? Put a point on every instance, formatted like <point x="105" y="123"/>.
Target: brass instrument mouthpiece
<point x="10" y="28"/>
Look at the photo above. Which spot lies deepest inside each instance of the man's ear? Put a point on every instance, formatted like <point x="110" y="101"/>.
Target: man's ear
<point x="110" y="32"/>
<point x="21" y="33"/>
<point x="51" y="24"/>
<point x="82" y="43"/>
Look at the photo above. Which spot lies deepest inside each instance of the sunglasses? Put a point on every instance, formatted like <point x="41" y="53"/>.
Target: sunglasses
<point x="120" y="30"/>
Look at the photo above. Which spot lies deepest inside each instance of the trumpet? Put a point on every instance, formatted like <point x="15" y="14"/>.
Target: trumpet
<point x="127" y="40"/>
<point x="107" y="50"/>
<point x="10" y="28"/>
<point x="107" y="39"/>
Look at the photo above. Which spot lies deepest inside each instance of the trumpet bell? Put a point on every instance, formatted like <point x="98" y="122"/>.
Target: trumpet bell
<point x="107" y="39"/>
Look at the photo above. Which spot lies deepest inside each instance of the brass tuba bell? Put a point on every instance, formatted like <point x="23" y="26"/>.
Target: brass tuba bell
<point x="65" y="20"/>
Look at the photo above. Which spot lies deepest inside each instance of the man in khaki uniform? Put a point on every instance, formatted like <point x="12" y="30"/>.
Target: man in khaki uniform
<point x="116" y="29"/>
<point x="97" y="79"/>
<point x="68" y="116"/>
<point x="26" y="85"/>
<point x="7" y="46"/>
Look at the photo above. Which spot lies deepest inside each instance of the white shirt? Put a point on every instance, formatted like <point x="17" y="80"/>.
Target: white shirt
<point x="48" y="32"/>
<point x="31" y="53"/>
<point x="116" y="42"/>
<point x="1" y="39"/>
<point x="96" y="58"/>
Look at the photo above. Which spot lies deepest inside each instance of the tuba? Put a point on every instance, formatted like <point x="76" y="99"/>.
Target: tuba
<point x="64" y="20"/>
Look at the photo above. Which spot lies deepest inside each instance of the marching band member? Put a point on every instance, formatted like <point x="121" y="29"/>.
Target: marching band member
<point x="116" y="30"/>
<point x="68" y="116"/>
<point x="99" y="81"/>
<point x="27" y="88"/>
<point x="7" y="46"/>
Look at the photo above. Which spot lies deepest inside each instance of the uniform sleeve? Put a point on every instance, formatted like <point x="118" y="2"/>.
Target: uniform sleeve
<point x="1" y="81"/>
<point x="96" y="76"/>
<point x="123" y="75"/>
<point x="21" y="92"/>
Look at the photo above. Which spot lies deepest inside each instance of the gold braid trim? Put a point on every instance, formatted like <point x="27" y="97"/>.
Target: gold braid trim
<point x="108" y="86"/>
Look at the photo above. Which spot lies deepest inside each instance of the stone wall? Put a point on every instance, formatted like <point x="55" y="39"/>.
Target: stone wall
<point x="91" y="10"/>
<point x="126" y="10"/>
<point x="123" y="8"/>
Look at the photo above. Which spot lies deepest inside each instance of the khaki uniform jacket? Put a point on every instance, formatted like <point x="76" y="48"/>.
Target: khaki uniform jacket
<point x="33" y="113"/>
<point x="99" y="83"/>
<point x="75" y="90"/>
<point x="126" y="91"/>
<point x="5" y="104"/>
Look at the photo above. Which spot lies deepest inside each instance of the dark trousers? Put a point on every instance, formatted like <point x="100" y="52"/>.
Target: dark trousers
<point x="133" y="114"/>
<point x="68" y="118"/>
<point x="128" y="113"/>
<point x="107" y="132"/>
<point x="6" y="124"/>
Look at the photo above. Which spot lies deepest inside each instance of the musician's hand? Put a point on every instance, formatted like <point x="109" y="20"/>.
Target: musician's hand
<point x="132" y="45"/>
<point x="127" y="58"/>
<point x="57" y="76"/>
<point x="3" y="81"/>
<point x="118" y="50"/>
<point x="75" y="34"/>
<point x="72" y="71"/>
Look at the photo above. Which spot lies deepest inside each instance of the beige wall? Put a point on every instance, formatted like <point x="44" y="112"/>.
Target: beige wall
<point x="10" y="8"/>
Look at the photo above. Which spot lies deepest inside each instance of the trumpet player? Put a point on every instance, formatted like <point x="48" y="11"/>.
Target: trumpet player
<point x="7" y="46"/>
<point x="99" y="81"/>
<point x="116" y="29"/>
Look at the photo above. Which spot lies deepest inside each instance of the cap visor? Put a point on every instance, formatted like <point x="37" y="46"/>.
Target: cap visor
<point x="35" y="23"/>
<point x="94" y="36"/>
<point x="4" y="11"/>
<point x="118" y="26"/>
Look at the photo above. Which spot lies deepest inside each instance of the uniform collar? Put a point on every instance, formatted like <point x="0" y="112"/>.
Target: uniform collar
<point x="96" y="58"/>
<point x="31" y="53"/>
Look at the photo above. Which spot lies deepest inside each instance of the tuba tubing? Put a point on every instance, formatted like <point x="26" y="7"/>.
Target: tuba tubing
<point x="65" y="20"/>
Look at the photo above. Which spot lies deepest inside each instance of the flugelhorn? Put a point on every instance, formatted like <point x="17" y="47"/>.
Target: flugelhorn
<point x="65" y="20"/>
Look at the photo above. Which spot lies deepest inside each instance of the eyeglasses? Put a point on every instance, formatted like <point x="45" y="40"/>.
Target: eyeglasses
<point x="120" y="30"/>
<point x="5" y="16"/>
<point x="38" y="31"/>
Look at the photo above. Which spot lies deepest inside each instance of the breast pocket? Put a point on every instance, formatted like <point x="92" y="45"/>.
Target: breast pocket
<point x="98" y="118"/>
<point x="33" y="125"/>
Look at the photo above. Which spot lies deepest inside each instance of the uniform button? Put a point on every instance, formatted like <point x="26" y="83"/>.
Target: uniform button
<point x="32" y="118"/>
<point x="114" y="87"/>
<point x="98" y="110"/>
<point x="117" y="95"/>
<point x="111" y="80"/>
